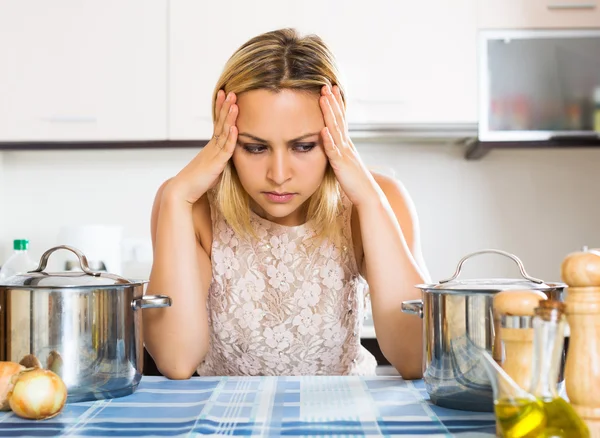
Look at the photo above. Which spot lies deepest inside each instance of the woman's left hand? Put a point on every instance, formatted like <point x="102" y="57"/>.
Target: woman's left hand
<point x="354" y="178"/>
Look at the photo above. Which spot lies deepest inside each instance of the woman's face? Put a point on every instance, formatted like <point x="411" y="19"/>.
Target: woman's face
<point x="279" y="157"/>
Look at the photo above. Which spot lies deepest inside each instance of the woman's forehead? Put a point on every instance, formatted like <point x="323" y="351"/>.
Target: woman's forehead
<point x="287" y="113"/>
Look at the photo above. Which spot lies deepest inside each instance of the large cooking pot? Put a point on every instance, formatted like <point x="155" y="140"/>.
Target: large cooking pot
<point x="85" y="326"/>
<point x="458" y="321"/>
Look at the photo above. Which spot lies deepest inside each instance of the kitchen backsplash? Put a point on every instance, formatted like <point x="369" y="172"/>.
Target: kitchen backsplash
<point x="537" y="204"/>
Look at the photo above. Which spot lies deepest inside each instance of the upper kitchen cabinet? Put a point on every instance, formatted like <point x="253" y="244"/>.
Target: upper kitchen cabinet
<point x="203" y="35"/>
<point x="538" y="14"/>
<point x="402" y="62"/>
<point x="83" y="70"/>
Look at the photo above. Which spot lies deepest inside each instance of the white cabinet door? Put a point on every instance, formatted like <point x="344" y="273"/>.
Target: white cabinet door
<point x="83" y="70"/>
<point x="203" y="35"/>
<point x="403" y="61"/>
<point x="538" y="14"/>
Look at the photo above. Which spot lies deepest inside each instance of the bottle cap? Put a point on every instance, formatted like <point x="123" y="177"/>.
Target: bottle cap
<point x="20" y="244"/>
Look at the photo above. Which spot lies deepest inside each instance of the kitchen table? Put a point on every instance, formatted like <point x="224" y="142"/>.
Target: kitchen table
<point x="255" y="406"/>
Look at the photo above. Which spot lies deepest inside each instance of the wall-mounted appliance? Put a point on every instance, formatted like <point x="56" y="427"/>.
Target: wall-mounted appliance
<point x="539" y="85"/>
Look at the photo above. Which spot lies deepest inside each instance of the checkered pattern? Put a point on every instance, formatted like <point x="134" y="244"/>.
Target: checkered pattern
<point x="261" y="406"/>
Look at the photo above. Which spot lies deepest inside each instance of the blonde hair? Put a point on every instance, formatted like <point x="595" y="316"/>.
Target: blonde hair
<point x="278" y="60"/>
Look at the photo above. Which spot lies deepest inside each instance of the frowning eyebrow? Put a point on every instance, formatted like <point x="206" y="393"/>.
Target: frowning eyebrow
<point x="260" y="140"/>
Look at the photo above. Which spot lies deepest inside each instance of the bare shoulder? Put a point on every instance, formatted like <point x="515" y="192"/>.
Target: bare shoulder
<point x="395" y="192"/>
<point x="401" y="203"/>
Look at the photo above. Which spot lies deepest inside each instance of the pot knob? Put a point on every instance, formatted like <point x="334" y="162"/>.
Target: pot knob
<point x="582" y="268"/>
<point x="518" y="302"/>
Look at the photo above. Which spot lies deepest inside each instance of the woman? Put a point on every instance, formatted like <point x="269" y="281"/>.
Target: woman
<point x="266" y="240"/>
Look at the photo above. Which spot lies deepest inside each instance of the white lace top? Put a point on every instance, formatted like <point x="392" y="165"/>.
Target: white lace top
<point x="285" y="304"/>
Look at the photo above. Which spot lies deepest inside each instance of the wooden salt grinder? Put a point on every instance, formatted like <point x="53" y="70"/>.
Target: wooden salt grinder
<point x="581" y="272"/>
<point x="513" y="311"/>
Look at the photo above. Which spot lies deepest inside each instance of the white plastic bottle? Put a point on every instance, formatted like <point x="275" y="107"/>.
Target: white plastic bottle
<point x="19" y="262"/>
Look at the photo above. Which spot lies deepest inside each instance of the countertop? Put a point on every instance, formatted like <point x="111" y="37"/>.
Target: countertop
<point x="261" y="406"/>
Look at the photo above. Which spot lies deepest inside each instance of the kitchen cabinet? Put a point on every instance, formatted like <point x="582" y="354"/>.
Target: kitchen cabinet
<point x="91" y="71"/>
<point x="202" y="37"/>
<point x="402" y="62"/>
<point x="532" y="14"/>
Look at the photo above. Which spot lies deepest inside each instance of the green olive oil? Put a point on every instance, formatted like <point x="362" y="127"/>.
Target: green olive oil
<point x="520" y="418"/>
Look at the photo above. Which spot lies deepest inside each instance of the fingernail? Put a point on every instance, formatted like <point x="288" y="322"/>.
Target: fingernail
<point x="231" y="108"/>
<point x="228" y="97"/>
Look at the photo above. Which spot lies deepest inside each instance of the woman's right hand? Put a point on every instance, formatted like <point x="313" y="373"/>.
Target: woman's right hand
<point x="203" y="172"/>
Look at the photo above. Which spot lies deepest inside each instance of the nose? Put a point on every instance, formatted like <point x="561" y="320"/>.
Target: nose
<point x="280" y="169"/>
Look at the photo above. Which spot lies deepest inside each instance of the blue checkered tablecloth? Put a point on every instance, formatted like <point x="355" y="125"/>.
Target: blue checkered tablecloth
<point x="261" y="406"/>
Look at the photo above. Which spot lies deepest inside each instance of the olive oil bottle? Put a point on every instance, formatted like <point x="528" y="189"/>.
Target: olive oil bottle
<point x="521" y="417"/>
<point x="561" y="419"/>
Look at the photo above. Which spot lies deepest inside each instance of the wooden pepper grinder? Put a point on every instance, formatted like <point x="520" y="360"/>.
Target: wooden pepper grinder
<point x="581" y="271"/>
<point x="513" y="313"/>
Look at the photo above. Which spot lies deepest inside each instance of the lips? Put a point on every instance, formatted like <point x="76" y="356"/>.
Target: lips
<point x="279" y="197"/>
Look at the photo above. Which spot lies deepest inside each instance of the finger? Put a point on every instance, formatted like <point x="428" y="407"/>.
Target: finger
<point x="337" y="111"/>
<point x="230" y="143"/>
<point x="229" y="100"/>
<point x="329" y="146"/>
<point x="331" y="122"/>
<point x="229" y="122"/>
<point x="219" y="103"/>
<point x="338" y="98"/>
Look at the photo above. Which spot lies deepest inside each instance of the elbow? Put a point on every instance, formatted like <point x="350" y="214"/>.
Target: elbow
<point x="176" y="372"/>
<point x="410" y="373"/>
<point x="178" y="364"/>
<point x="409" y="366"/>
<point x="176" y="368"/>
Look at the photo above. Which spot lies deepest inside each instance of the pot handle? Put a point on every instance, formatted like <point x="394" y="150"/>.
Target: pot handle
<point x="413" y="307"/>
<point x="494" y="251"/>
<point x="83" y="262"/>
<point x="151" y="302"/>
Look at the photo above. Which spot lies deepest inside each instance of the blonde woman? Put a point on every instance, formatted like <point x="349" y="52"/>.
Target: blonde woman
<point x="269" y="240"/>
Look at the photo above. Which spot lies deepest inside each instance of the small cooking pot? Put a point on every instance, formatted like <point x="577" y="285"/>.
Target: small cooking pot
<point x="84" y="326"/>
<point x="458" y="320"/>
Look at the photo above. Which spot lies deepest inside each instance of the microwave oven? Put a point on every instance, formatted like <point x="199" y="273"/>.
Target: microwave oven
<point x="537" y="85"/>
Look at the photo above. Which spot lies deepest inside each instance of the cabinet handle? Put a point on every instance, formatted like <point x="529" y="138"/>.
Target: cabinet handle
<point x="563" y="6"/>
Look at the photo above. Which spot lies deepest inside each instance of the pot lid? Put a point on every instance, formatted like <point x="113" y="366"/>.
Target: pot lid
<point x="490" y="285"/>
<point x="63" y="280"/>
<point x="86" y="278"/>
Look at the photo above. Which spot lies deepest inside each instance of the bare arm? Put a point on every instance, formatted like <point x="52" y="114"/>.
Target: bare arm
<point x="177" y="337"/>
<point x="393" y="264"/>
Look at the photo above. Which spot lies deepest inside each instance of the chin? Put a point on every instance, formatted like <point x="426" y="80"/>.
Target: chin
<point x="279" y="211"/>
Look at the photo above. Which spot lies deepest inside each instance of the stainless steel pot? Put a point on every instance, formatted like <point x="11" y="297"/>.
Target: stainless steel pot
<point x="85" y="326"/>
<point x="458" y="320"/>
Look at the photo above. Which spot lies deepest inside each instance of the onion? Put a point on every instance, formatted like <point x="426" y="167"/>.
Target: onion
<point x="37" y="394"/>
<point x="7" y="371"/>
<point x="30" y="361"/>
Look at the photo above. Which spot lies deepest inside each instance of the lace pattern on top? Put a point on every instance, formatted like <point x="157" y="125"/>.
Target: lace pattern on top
<point x="285" y="303"/>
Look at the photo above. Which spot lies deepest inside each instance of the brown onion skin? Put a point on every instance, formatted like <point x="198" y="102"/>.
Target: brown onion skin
<point x="27" y="399"/>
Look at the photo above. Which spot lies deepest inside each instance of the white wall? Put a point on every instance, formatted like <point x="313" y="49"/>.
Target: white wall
<point x="539" y="204"/>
